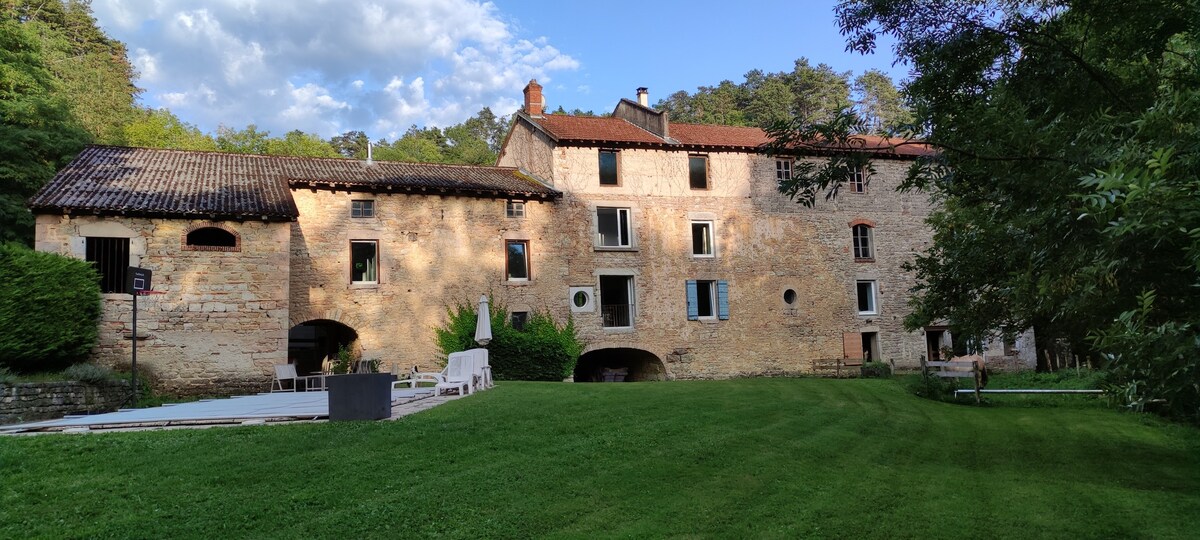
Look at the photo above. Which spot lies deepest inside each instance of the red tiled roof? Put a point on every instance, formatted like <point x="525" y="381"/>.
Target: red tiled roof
<point x="616" y="130"/>
<point x="145" y="181"/>
<point x="714" y="135"/>
<point x="589" y="128"/>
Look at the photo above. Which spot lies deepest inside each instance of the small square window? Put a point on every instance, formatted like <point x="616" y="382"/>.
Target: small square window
<point x="519" y="318"/>
<point x="364" y="261"/>
<point x="698" y="172"/>
<point x="362" y="209"/>
<point x="612" y="227"/>
<point x="514" y="209"/>
<point x="517" y="255"/>
<point x="702" y="239"/>
<point x="866" y="298"/>
<point x="858" y="181"/>
<point x="608" y="168"/>
<point x="783" y="169"/>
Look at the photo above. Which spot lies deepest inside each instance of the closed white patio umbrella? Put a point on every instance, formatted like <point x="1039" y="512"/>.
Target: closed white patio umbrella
<point x="483" y="323"/>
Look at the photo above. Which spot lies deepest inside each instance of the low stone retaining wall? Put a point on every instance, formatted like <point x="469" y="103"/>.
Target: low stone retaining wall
<point x="28" y="402"/>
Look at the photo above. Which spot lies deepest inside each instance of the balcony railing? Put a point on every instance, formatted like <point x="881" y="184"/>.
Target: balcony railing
<point x="617" y="315"/>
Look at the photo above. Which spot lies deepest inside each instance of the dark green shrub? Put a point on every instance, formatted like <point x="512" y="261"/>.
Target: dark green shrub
<point x="542" y="351"/>
<point x="7" y="376"/>
<point x="50" y="305"/>
<point x="876" y="370"/>
<point x="88" y="373"/>
<point x="936" y="388"/>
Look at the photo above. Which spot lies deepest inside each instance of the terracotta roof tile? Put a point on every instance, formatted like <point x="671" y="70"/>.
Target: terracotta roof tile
<point x="713" y="135"/>
<point x="615" y="130"/>
<point x="589" y="128"/>
<point x="148" y="181"/>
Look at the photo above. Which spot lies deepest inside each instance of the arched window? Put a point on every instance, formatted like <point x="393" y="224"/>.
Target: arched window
<point x="863" y="250"/>
<point x="211" y="239"/>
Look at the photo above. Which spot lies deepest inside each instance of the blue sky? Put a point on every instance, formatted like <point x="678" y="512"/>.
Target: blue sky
<point x="329" y="66"/>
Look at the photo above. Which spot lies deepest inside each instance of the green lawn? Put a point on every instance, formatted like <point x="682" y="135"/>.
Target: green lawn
<point x="779" y="458"/>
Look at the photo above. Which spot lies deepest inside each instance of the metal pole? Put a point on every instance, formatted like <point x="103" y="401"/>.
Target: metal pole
<point x="133" y="376"/>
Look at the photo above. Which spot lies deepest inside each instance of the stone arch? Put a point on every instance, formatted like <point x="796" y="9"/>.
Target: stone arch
<point x="210" y="236"/>
<point x="638" y="365"/>
<point x="311" y="341"/>
<point x="862" y="221"/>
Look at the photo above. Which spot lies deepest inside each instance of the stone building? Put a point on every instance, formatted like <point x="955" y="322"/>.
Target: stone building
<point x="667" y="243"/>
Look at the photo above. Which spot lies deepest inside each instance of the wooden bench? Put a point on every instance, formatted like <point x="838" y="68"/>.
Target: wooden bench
<point x="954" y="370"/>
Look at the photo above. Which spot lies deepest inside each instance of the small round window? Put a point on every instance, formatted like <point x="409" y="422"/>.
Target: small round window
<point x="789" y="296"/>
<point x="580" y="299"/>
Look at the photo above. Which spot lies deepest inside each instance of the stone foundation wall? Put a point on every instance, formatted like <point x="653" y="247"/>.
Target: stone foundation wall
<point x="28" y="402"/>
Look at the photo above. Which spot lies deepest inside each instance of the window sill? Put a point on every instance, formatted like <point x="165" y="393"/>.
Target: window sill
<point x="518" y="282"/>
<point x="707" y="257"/>
<point x="619" y="329"/>
<point x="708" y="320"/>
<point x="361" y="285"/>
<point x="864" y="260"/>
<point x="866" y="315"/>
<point x="615" y="248"/>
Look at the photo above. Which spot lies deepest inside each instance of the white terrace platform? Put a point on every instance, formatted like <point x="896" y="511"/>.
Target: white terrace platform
<point x="257" y="409"/>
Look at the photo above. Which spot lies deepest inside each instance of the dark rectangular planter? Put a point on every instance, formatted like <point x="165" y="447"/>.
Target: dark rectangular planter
<point x="360" y="396"/>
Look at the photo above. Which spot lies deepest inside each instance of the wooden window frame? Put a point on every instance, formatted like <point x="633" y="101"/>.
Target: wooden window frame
<point x="508" y="262"/>
<point x="362" y="208"/>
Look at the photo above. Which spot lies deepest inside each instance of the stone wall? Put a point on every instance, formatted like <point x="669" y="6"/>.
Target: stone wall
<point x="28" y="402"/>
<point x="222" y="321"/>
<point x="434" y="252"/>
<point x="765" y="246"/>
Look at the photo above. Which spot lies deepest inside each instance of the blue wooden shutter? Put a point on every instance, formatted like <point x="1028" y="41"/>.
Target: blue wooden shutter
<point x="693" y="303"/>
<point x="723" y="300"/>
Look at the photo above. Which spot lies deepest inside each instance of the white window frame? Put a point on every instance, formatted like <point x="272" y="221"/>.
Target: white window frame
<point x="866" y="244"/>
<point x="711" y="229"/>
<point x="872" y="297"/>
<point x="624" y="224"/>
<point x="376" y="259"/>
<point x="514" y="209"/>
<point x="858" y="181"/>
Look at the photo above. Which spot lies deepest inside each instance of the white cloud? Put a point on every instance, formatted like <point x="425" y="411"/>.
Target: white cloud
<point x="328" y="66"/>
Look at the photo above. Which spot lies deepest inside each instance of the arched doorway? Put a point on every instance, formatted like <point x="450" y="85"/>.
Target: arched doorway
<point x="619" y="364"/>
<point x="310" y="342"/>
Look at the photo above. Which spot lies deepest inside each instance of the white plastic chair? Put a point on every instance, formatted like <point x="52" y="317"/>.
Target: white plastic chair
<point x="287" y="372"/>
<point x="459" y="374"/>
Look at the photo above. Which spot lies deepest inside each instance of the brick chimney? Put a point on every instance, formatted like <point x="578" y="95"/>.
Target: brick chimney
<point x="643" y="96"/>
<point x="533" y="99"/>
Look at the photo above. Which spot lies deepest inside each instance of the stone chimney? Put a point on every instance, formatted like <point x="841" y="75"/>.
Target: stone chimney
<point x="643" y="96"/>
<point x="533" y="99"/>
